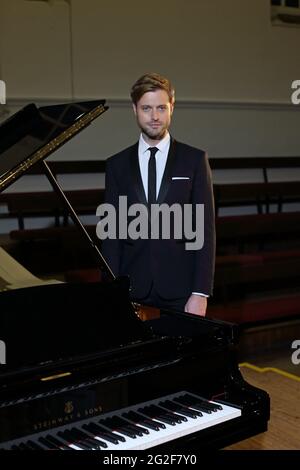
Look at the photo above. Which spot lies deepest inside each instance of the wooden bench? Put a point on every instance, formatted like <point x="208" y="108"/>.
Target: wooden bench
<point x="46" y="204"/>
<point x="23" y="206"/>
<point x="61" y="249"/>
<point x="255" y="232"/>
<point x="259" y="194"/>
<point x="257" y="266"/>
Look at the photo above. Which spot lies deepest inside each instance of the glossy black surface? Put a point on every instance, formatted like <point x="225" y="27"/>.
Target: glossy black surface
<point x="61" y="321"/>
<point x="31" y="128"/>
<point x="145" y="365"/>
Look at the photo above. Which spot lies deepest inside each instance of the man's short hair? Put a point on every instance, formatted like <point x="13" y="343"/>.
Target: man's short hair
<point x="151" y="82"/>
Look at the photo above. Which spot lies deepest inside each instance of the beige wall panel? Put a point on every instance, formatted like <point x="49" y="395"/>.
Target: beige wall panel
<point x="213" y="50"/>
<point x="35" y="52"/>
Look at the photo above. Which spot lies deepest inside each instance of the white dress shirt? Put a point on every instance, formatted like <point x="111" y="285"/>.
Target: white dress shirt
<point x="161" y="160"/>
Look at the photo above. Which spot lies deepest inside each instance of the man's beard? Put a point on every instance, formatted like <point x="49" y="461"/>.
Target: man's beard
<point x="154" y="134"/>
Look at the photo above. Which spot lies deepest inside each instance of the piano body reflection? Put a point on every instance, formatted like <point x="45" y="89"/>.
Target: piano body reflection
<point x="84" y="371"/>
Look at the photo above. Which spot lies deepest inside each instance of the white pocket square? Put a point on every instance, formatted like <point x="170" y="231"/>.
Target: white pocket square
<point x="180" y="177"/>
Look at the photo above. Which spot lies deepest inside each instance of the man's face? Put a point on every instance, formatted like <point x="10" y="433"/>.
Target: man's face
<point x="153" y="113"/>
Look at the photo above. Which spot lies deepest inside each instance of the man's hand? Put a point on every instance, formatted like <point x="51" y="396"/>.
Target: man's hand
<point x="196" y="304"/>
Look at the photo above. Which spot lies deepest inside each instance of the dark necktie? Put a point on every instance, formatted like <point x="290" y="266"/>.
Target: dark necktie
<point x="152" y="176"/>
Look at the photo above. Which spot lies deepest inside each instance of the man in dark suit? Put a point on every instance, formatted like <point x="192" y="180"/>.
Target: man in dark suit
<point x="160" y="170"/>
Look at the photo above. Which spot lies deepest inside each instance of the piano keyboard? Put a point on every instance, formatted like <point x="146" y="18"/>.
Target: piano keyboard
<point x="136" y="427"/>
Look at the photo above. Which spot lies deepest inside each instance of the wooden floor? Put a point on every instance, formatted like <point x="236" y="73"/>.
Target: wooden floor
<point x="284" y="425"/>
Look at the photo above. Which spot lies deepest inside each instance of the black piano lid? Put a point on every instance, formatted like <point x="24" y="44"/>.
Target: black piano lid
<point x="33" y="133"/>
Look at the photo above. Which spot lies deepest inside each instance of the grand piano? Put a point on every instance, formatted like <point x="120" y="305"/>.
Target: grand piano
<point x="83" y="371"/>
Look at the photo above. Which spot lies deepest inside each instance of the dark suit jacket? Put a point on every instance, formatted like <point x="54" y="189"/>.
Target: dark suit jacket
<point x="176" y="272"/>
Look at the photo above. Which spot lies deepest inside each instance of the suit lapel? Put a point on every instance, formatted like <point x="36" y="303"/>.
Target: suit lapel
<point x="136" y="174"/>
<point x="166" y="181"/>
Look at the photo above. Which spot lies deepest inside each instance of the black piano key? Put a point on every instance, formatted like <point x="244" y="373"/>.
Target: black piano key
<point x="85" y="444"/>
<point x="213" y="406"/>
<point x="131" y="426"/>
<point x="155" y="410"/>
<point x="206" y="403"/>
<point x="94" y="429"/>
<point x="56" y="442"/>
<point x="154" y="423"/>
<point x="206" y="406"/>
<point x="199" y="403"/>
<point x="113" y="425"/>
<point x="202" y="408"/>
<point x="70" y="439"/>
<point x="85" y="438"/>
<point x="195" y="400"/>
<point x="125" y="432"/>
<point x="34" y="445"/>
<point x="196" y="411"/>
<point x="136" y="429"/>
<point x="178" y="419"/>
<point x="121" y="424"/>
<point x="48" y="444"/>
<point x="141" y="429"/>
<point x="217" y="405"/>
<point x="117" y="436"/>
<point x="141" y="420"/>
<point x="185" y="401"/>
<point x="172" y="406"/>
<point x="156" y="413"/>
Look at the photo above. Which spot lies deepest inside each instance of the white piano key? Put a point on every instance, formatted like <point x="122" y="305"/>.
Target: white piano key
<point x="184" y="428"/>
<point x="170" y="433"/>
<point x="154" y="438"/>
<point x="74" y="447"/>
